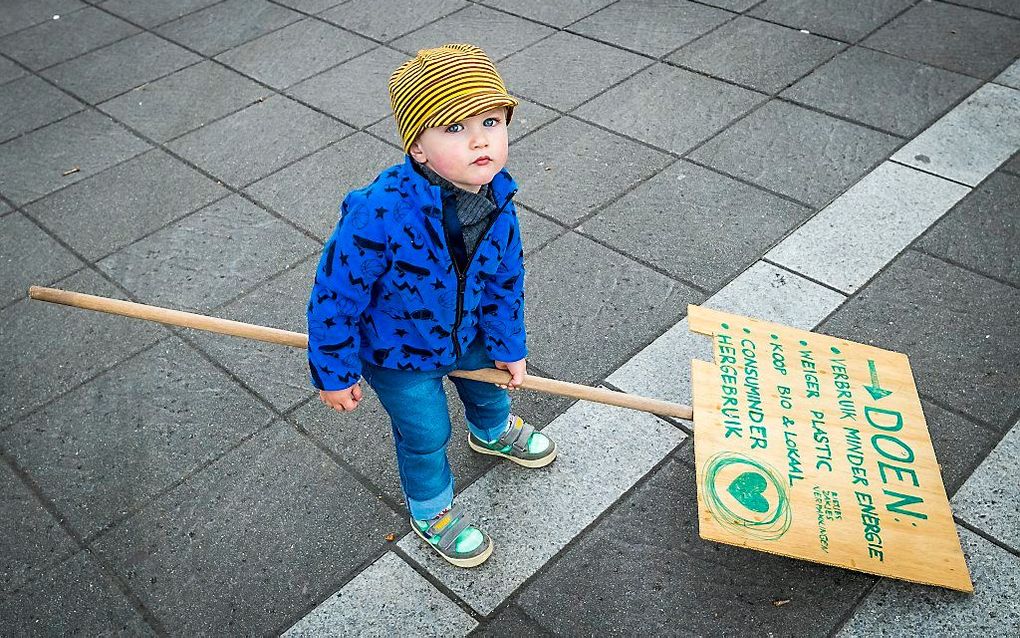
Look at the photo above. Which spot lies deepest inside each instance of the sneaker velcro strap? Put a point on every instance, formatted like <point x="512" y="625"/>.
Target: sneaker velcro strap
<point x="521" y="444"/>
<point x="440" y="526"/>
<point x="510" y="435"/>
<point x="450" y="534"/>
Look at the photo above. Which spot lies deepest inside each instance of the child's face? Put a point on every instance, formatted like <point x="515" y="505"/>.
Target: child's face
<point x="468" y="153"/>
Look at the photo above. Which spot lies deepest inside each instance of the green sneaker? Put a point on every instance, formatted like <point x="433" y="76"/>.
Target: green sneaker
<point x="454" y="538"/>
<point x="519" y="443"/>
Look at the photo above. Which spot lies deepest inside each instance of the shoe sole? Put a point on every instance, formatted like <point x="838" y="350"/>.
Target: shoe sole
<point x="532" y="463"/>
<point x="474" y="561"/>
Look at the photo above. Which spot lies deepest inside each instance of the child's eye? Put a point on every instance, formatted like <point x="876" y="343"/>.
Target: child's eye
<point x="455" y="128"/>
<point x="490" y="121"/>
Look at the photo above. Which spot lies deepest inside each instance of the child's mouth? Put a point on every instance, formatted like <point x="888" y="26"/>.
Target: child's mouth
<point x="481" y="161"/>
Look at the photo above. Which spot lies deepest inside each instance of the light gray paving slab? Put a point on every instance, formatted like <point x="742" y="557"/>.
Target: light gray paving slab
<point x="866" y="227"/>
<point x="988" y="500"/>
<point x="532" y="514"/>
<point x="970" y="141"/>
<point x="363" y="608"/>
<point x="227" y="24"/>
<point x="847" y="21"/>
<point x="500" y="34"/>
<point x="28" y="256"/>
<point x="558" y="14"/>
<point x="1011" y="76"/>
<point x="9" y="70"/>
<point x="652" y="28"/>
<point x="388" y="19"/>
<point x="24" y="13"/>
<point x="896" y="608"/>
<point x="29" y="103"/>
<point x="54" y="41"/>
<point x="663" y="371"/>
<point x="149" y="13"/>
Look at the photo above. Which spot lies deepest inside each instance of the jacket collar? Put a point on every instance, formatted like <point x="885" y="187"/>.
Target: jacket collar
<point x="503" y="188"/>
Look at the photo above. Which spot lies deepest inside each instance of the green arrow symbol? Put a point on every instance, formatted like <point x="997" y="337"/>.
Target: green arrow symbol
<point x="874" y="390"/>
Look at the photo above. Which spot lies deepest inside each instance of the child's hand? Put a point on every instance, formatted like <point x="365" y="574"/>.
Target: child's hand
<point x="342" y="400"/>
<point x="518" y="370"/>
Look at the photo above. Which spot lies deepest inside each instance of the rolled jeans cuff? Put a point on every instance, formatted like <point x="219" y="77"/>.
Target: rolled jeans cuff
<point x="430" y="507"/>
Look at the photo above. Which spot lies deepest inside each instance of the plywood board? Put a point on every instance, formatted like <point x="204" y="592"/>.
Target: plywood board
<point x="816" y="448"/>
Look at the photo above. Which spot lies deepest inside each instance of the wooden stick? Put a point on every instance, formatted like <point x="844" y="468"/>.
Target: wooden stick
<point x="298" y="340"/>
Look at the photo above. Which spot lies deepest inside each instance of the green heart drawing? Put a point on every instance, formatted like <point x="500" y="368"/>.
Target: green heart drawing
<point x="747" y="488"/>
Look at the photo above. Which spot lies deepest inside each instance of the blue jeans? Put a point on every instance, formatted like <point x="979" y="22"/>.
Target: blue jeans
<point x="416" y="403"/>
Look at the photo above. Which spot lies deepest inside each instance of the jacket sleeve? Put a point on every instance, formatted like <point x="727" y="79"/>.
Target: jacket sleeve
<point x="505" y="335"/>
<point x="352" y="259"/>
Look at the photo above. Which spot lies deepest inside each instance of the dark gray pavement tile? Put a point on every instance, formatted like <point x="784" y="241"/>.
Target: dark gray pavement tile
<point x="114" y="443"/>
<point x="806" y="155"/>
<point x="1013" y="165"/>
<point x="565" y="70"/>
<point x="30" y="538"/>
<point x="761" y="55"/>
<point x="355" y="91"/>
<point x="47" y="348"/>
<point x="536" y="230"/>
<point x="960" y="444"/>
<point x="208" y="257"/>
<point x="33" y="165"/>
<point x="983" y="230"/>
<point x="75" y="598"/>
<point x="733" y="5"/>
<point x="251" y="541"/>
<point x="9" y="70"/>
<point x="31" y="102"/>
<point x="310" y="6"/>
<point x="1007" y="7"/>
<point x="500" y="34"/>
<point x="510" y="622"/>
<point x="295" y="52"/>
<point x="109" y="211"/>
<point x="20" y="14"/>
<point x="887" y="92"/>
<point x="184" y="101"/>
<point x="278" y="373"/>
<point x="957" y="328"/>
<point x="590" y="309"/>
<point x="558" y="14"/>
<point x="102" y="74"/>
<point x="652" y="28"/>
<point x="259" y="140"/>
<point x="847" y="21"/>
<point x="227" y="24"/>
<point x="951" y="37"/>
<point x="29" y="257"/>
<point x="696" y="224"/>
<point x="385" y="20"/>
<point x="988" y="500"/>
<point x="569" y="168"/>
<point x="54" y="41"/>
<point x="669" y="107"/>
<point x="645" y="568"/>
<point x="149" y="13"/>
<point x="309" y="192"/>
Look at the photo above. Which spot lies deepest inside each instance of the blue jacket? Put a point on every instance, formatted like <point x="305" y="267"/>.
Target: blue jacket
<point x="388" y="291"/>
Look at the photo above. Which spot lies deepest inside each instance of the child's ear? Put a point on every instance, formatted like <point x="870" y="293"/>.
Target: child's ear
<point x="417" y="153"/>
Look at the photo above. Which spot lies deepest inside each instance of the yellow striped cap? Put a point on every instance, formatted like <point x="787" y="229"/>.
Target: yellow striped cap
<point x="445" y="85"/>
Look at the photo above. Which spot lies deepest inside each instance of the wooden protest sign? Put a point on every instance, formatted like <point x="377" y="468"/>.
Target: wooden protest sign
<point x="816" y="448"/>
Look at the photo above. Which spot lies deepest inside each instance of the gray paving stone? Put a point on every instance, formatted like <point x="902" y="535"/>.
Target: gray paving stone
<point x="250" y="144"/>
<point x="227" y="24"/>
<point x="102" y="74"/>
<point x="536" y="230"/>
<point x="988" y="499"/>
<point x="669" y="107"/>
<point x="847" y="21"/>
<point x="558" y="14"/>
<point x="31" y="540"/>
<point x="410" y="602"/>
<point x="295" y="52"/>
<point x="805" y="155"/>
<point x="970" y="141"/>
<point x="309" y="192"/>
<point x="311" y="6"/>
<point x="954" y="325"/>
<point x="589" y="308"/>
<point x="75" y="598"/>
<point x="569" y="168"/>
<point x="509" y="623"/>
<point x="866" y="227"/>
<point x="74" y="33"/>
<point x="695" y="224"/>
<point x="109" y="211"/>
<point x="30" y="257"/>
<point x="33" y="165"/>
<point x="29" y="103"/>
<point x="149" y="13"/>
<point x="1011" y="76"/>
<point x="500" y="34"/>
<point x="992" y="610"/>
<point x="208" y="257"/>
<point x="251" y="541"/>
<point x="531" y="515"/>
<point x="1007" y="7"/>
<point x="356" y="91"/>
<point x="982" y="231"/>
<point x="45" y="349"/>
<point x="384" y="20"/>
<point x="644" y="568"/>
<point x="184" y="101"/>
<point x="147" y="424"/>
<point x="565" y="70"/>
<point x="960" y="444"/>
<point x="890" y="93"/>
<point x="20" y="14"/>
<point x="661" y="369"/>
<point x="9" y="71"/>
<point x="1013" y="166"/>
<point x="654" y="29"/>
<point x="761" y="55"/>
<point x="733" y="5"/>
<point x="951" y="37"/>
